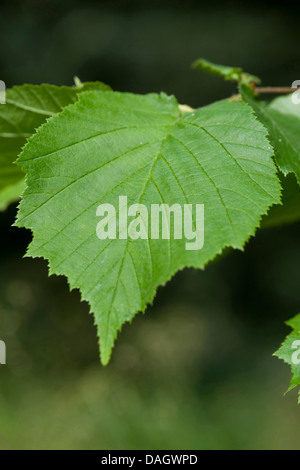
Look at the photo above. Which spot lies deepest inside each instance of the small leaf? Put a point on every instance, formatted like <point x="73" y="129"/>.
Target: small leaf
<point x="228" y="73"/>
<point x="118" y="144"/>
<point x="290" y="352"/>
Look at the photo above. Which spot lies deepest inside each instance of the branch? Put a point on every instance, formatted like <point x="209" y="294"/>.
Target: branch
<point x="276" y="90"/>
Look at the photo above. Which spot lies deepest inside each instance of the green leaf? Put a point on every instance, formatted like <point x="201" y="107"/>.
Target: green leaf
<point x="228" y="73"/>
<point x="282" y="119"/>
<point x="289" y="211"/>
<point x="118" y="144"/>
<point x="26" y="108"/>
<point x="11" y="194"/>
<point x="290" y="352"/>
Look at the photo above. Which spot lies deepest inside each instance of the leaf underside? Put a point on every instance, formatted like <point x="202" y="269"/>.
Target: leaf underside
<point x="282" y="119"/>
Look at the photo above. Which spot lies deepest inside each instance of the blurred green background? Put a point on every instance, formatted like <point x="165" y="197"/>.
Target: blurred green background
<point x="196" y="371"/>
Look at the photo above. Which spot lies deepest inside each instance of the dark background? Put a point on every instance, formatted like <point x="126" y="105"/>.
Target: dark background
<point x="197" y="370"/>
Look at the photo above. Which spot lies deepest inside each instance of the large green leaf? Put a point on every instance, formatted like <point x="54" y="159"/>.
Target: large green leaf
<point x="290" y="352"/>
<point x="112" y="144"/>
<point x="26" y="108"/>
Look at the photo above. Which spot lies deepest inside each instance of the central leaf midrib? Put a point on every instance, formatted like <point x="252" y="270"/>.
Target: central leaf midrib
<point x="127" y="241"/>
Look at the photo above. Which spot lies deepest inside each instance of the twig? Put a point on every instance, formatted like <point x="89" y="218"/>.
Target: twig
<point x="275" y="90"/>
